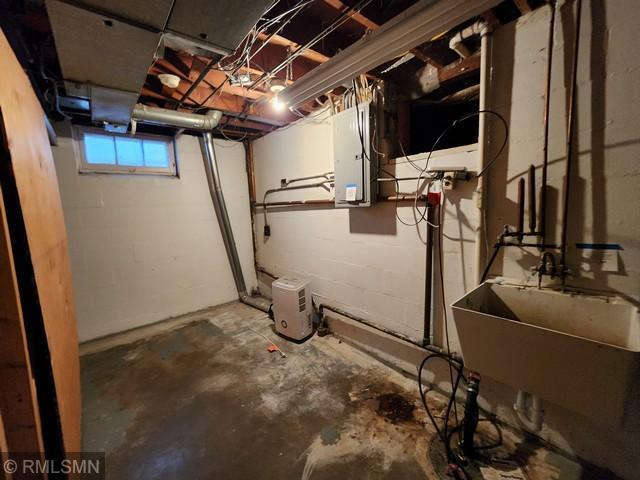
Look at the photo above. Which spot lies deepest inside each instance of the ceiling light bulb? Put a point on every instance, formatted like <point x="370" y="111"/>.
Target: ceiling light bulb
<point x="277" y="85"/>
<point x="277" y="104"/>
<point x="169" y="80"/>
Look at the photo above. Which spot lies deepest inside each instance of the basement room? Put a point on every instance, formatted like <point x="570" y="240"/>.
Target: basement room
<point x="319" y="239"/>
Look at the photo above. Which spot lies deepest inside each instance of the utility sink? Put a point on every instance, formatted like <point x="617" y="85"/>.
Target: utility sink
<point x="578" y="351"/>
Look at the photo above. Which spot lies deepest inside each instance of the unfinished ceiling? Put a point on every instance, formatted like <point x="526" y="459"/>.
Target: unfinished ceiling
<point x="112" y="55"/>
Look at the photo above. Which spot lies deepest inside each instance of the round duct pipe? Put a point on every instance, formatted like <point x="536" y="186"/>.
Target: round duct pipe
<point x="163" y="116"/>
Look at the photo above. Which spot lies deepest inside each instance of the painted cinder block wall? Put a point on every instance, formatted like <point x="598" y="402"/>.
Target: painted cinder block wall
<point x="367" y="262"/>
<point x="145" y="248"/>
<point x="604" y="192"/>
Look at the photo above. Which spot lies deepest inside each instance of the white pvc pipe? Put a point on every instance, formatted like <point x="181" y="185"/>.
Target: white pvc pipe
<point x="455" y="43"/>
<point x="529" y="416"/>
<point x="483" y="133"/>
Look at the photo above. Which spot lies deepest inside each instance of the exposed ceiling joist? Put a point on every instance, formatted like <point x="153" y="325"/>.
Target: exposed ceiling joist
<point x="356" y="16"/>
<point x="371" y="25"/>
<point x="462" y="67"/>
<point x="285" y="42"/>
<point x="414" y="26"/>
<point x="523" y="6"/>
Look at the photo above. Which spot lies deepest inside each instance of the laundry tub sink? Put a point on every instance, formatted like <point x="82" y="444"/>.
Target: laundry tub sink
<point x="578" y="351"/>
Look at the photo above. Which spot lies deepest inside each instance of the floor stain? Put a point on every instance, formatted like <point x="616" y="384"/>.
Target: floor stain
<point x="208" y="400"/>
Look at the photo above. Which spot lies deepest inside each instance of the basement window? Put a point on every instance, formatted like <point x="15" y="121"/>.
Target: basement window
<point x="101" y="152"/>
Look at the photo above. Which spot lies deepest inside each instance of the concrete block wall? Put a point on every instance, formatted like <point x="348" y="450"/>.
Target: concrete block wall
<point x="367" y="262"/>
<point x="364" y="259"/>
<point x="144" y="248"/>
<point x="607" y="141"/>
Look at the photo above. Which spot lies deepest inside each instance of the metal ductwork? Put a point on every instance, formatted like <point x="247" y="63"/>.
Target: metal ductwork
<point x="162" y="116"/>
<point x="105" y="48"/>
<point x="206" y="123"/>
<point x="220" y="206"/>
<point x="418" y="24"/>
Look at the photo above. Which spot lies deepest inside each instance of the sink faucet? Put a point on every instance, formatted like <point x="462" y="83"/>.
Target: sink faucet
<point x="547" y="266"/>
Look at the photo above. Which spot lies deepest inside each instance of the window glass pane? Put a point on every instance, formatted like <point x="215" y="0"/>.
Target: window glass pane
<point x="156" y="153"/>
<point x="129" y="152"/>
<point x="99" y="149"/>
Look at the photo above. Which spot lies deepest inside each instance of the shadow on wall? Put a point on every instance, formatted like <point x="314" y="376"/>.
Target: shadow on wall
<point x="378" y="219"/>
<point x="495" y="184"/>
<point x="577" y="226"/>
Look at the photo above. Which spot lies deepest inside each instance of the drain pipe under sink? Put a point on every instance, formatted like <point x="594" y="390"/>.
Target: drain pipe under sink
<point x="529" y="413"/>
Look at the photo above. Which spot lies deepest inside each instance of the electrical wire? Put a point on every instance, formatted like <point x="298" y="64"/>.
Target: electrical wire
<point x="247" y="54"/>
<point x="444" y="433"/>
<point x="451" y="127"/>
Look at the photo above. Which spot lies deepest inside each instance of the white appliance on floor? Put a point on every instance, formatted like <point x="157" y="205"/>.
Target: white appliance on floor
<point x="292" y="307"/>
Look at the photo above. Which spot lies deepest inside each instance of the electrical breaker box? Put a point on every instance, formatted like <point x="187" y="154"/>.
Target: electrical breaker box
<point x="355" y="162"/>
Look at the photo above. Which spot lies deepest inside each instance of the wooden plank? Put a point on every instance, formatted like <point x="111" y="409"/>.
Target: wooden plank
<point x="371" y="25"/>
<point x="458" y="68"/>
<point x="21" y="422"/>
<point x="356" y="16"/>
<point x="285" y="42"/>
<point x="4" y="450"/>
<point x="523" y="6"/>
<point x="41" y="210"/>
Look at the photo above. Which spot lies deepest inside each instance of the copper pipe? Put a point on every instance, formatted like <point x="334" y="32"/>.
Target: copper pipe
<point x="433" y="213"/>
<point x="542" y="227"/>
<point x="331" y="201"/>
<point x="520" y="208"/>
<point x="532" y="198"/>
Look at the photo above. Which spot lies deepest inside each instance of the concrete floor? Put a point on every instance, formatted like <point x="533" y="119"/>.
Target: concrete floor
<point x="201" y="397"/>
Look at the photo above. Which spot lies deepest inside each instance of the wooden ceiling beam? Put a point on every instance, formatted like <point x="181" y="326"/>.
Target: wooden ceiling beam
<point x="459" y="68"/>
<point x="523" y="6"/>
<point x="285" y="42"/>
<point x="371" y="25"/>
<point x="355" y="16"/>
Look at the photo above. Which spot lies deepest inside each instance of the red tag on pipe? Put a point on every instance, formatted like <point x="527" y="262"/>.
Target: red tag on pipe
<point x="433" y="198"/>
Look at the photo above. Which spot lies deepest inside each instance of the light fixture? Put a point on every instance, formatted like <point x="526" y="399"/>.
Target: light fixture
<point x="240" y="80"/>
<point x="416" y="25"/>
<point x="169" y="80"/>
<point x="277" y="104"/>
<point x="277" y="85"/>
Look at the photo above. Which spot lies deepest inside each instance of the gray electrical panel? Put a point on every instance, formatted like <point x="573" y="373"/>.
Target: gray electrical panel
<point x="355" y="166"/>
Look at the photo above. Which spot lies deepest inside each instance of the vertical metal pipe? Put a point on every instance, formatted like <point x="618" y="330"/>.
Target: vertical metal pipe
<point x="532" y="199"/>
<point x="520" y="208"/>
<point x="432" y="215"/>
<point x="542" y="227"/>
<point x="570" y="126"/>
<point x="215" y="189"/>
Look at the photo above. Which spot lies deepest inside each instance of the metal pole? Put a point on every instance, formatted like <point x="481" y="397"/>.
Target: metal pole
<point x="432" y="214"/>
<point x="570" y="126"/>
<point x="213" y="179"/>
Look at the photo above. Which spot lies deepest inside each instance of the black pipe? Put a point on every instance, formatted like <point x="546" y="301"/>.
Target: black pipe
<point x="432" y="214"/>
<point x="432" y="348"/>
<point x="532" y="198"/>
<point x="570" y="126"/>
<point x="496" y="249"/>
<point x="471" y="415"/>
<point x="520" y="208"/>
<point x="542" y="225"/>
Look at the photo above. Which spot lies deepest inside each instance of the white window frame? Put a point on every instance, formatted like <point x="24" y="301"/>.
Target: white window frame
<point x="86" y="167"/>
